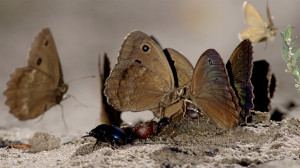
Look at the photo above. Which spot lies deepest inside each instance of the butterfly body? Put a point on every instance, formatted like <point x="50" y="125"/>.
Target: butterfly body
<point x="34" y="89"/>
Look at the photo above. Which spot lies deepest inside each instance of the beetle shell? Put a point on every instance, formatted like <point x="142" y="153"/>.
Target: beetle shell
<point x="108" y="133"/>
<point x="130" y="134"/>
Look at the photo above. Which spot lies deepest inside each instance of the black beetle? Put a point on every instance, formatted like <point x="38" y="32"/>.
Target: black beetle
<point x="108" y="133"/>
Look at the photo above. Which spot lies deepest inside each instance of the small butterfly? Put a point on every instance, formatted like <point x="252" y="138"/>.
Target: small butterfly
<point x="259" y="30"/>
<point x="146" y="77"/>
<point x="34" y="89"/>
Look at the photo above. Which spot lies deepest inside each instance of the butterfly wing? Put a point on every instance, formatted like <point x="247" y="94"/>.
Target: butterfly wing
<point x="255" y="34"/>
<point x="34" y="89"/>
<point x="211" y="91"/>
<point x="43" y="56"/>
<point x="273" y="85"/>
<point x="141" y="77"/>
<point x="28" y="94"/>
<point x="184" y="69"/>
<point x="252" y="17"/>
<point x="182" y="76"/>
<point x="108" y="114"/>
<point x="239" y="68"/>
<point x="264" y="85"/>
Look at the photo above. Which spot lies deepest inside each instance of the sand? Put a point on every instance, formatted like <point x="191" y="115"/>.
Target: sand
<point x="184" y="143"/>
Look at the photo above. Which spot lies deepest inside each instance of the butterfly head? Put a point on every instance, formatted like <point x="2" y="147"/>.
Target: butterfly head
<point x="64" y="88"/>
<point x="60" y="91"/>
<point x="273" y="30"/>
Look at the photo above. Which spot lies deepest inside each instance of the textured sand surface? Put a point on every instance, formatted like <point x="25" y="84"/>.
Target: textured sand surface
<point x="259" y="145"/>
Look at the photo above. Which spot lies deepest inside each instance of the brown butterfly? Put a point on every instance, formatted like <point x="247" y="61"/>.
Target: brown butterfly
<point x="136" y="83"/>
<point x="259" y="30"/>
<point x="239" y="68"/>
<point x="145" y="77"/>
<point x="211" y="91"/>
<point x="34" y="89"/>
<point x="224" y="94"/>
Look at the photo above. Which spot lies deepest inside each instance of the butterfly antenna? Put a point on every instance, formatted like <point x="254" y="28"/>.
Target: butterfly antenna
<point x="81" y="104"/>
<point x="63" y="117"/>
<point x="184" y="108"/>
<point x="271" y="23"/>
<point x="84" y="77"/>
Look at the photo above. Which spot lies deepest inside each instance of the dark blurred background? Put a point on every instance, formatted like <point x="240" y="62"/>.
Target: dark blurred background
<point x="84" y="29"/>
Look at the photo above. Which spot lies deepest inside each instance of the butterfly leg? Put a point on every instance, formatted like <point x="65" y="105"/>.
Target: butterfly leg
<point x="40" y="118"/>
<point x="184" y="108"/>
<point x="198" y="119"/>
<point x="207" y="121"/>
<point x="193" y="110"/>
<point x="170" y="99"/>
<point x="163" y="103"/>
<point x="63" y="116"/>
<point x="185" y="101"/>
<point x="161" y="110"/>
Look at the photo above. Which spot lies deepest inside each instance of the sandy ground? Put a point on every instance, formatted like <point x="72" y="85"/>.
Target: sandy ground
<point x="183" y="143"/>
<point x="84" y="30"/>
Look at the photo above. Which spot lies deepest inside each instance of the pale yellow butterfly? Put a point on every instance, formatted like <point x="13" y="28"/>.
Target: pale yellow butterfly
<point x="259" y="30"/>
